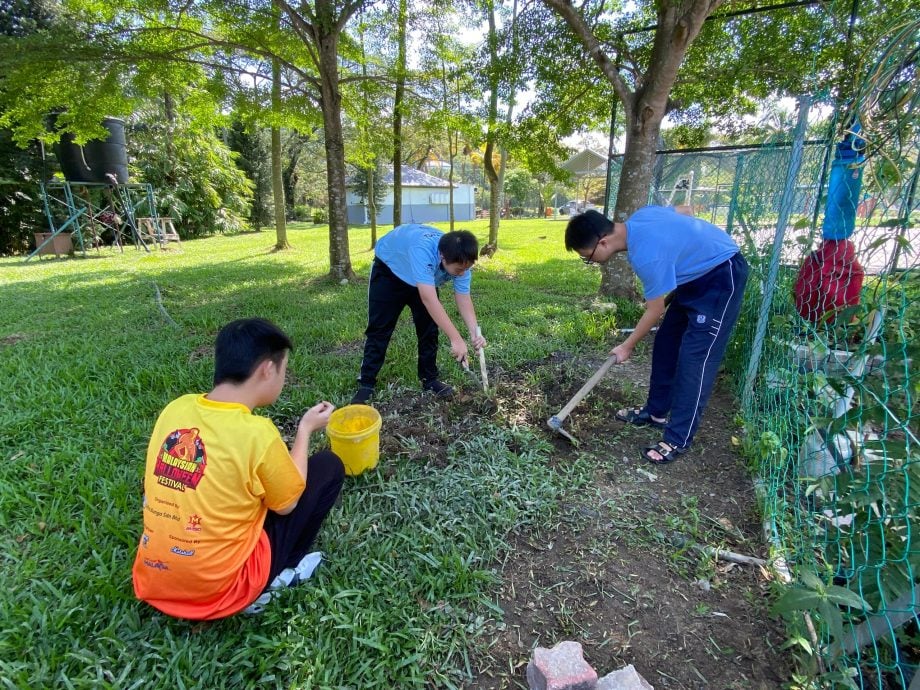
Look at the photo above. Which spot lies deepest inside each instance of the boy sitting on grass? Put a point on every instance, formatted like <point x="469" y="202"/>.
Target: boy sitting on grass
<point x="226" y="506"/>
<point x="412" y="261"/>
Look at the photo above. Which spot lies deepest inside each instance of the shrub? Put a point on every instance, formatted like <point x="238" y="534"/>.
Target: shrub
<point x="20" y="196"/>
<point x="195" y="177"/>
<point x="320" y="216"/>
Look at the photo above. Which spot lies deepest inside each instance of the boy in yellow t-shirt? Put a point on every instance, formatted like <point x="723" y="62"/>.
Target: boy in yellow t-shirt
<point x="226" y="506"/>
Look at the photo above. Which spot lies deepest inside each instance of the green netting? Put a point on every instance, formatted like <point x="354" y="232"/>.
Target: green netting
<point x="830" y="399"/>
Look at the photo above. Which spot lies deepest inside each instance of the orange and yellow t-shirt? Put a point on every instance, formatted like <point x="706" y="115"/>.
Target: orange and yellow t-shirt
<point x="213" y="471"/>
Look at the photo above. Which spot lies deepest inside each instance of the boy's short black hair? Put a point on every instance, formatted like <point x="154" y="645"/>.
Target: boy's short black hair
<point x="459" y="247"/>
<point x="243" y="345"/>
<point x="585" y="229"/>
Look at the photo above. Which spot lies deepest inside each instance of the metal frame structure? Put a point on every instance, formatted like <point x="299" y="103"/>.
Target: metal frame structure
<point x="124" y="204"/>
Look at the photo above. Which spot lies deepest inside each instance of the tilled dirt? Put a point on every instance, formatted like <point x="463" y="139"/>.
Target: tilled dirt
<point x="608" y="575"/>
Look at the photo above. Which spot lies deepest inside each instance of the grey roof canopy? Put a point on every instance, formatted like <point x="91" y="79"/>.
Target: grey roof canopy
<point x="586" y="162"/>
<point x="411" y="177"/>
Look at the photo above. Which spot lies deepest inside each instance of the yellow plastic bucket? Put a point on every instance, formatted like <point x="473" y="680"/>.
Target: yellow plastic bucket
<point x="354" y="434"/>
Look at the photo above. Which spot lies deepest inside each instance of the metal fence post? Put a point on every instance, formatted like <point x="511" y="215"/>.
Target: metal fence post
<point x="785" y="210"/>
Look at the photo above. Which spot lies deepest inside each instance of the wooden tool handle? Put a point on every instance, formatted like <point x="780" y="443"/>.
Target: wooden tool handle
<point x="482" y="362"/>
<point x="585" y="389"/>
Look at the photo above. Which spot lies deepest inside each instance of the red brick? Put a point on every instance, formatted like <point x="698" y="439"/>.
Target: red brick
<point x="561" y="668"/>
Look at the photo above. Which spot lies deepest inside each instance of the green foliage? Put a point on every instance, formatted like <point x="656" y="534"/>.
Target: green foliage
<point x="21" y="166"/>
<point x="254" y="159"/>
<point x="520" y="187"/>
<point x="194" y="175"/>
<point x="828" y="604"/>
<point x="24" y="17"/>
<point x="319" y="216"/>
<point x="358" y="184"/>
<point x="765" y="450"/>
<point x="20" y="195"/>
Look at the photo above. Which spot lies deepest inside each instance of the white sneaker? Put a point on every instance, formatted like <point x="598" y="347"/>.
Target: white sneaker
<point x="289" y="577"/>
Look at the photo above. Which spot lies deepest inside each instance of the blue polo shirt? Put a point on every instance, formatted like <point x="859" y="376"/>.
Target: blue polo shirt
<point x="667" y="249"/>
<point x="411" y="252"/>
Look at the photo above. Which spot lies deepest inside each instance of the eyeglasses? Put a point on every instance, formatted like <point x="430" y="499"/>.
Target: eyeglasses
<point x="589" y="261"/>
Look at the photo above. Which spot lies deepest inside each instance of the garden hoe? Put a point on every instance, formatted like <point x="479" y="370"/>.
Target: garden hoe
<point x="466" y="367"/>
<point x="482" y="363"/>
<point x="555" y="422"/>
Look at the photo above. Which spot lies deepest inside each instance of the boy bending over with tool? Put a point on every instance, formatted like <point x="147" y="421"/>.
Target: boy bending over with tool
<point x="672" y="251"/>
<point x="412" y="261"/>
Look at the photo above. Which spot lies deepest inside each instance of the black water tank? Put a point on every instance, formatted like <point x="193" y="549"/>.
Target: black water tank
<point x="109" y="157"/>
<point x="70" y="156"/>
<point x="98" y="159"/>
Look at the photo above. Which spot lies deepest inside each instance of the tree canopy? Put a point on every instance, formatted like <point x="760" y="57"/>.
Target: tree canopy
<point x="705" y="65"/>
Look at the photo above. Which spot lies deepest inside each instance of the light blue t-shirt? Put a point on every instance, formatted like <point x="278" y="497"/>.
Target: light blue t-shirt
<point x="667" y="249"/>
<point x="411" y="252"/>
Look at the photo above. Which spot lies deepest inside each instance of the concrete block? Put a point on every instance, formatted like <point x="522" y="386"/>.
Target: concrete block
<point x="561" y="668"/>
<point x="627" y="678"/>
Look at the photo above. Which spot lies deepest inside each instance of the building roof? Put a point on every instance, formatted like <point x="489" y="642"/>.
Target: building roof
<point x="586" y="162"/>
<point x="415" y="178"/>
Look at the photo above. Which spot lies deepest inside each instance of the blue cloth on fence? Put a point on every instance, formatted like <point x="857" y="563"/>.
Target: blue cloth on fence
<point x="844" y="187"/>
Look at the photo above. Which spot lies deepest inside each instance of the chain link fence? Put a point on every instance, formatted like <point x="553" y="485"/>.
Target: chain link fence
<point x="826" y="358"/>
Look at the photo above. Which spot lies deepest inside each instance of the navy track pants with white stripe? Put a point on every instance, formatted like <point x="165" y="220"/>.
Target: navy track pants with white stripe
<point x="689" y="347"/>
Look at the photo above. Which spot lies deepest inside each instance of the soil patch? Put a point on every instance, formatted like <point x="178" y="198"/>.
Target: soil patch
<point x="609" y="578"/>
<point x="607" y="575"/>
<point x="12" y="339"/>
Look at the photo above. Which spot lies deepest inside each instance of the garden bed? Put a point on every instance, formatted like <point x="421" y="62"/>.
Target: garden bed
<point x="600" y="573"/>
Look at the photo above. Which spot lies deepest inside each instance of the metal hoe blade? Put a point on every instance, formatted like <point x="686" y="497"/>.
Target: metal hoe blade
<point x="555" y="424"/>
<point x="466" y="367"/>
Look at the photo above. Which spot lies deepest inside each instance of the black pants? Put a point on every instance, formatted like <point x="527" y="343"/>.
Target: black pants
<point x="292" y="535"/>
<point x="387" y="296"/>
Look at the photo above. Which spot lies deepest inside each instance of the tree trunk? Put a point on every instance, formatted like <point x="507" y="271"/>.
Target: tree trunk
<point x="679" y="23"/>
<point x="281" y="241"/>
<point x="617" y="278"/>
<point x="491" y="174"/>
<point x="397" y="112"/>
<point x="372" y="204"/>
<point x="451" y="145"/>
<point x="450" y="189"/>
<point x="289" y="171"/>
<point x="169" y="108"/>
<point x="331" y="103"/>
<point x="503" y="160"/>
<point x="502" y="164"/>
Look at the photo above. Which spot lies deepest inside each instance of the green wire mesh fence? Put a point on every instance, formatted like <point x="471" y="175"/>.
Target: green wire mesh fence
<point x="826" y="361"/>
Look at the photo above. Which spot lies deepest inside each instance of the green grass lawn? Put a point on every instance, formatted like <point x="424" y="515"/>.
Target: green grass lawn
<point x="87" y="360"/>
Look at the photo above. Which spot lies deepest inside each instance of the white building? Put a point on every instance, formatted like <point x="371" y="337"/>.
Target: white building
<point x="425" y="199"/>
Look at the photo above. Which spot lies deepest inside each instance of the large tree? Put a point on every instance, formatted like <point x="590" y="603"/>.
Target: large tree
<point x="20" y="168"/>
<point x="644" y="97"/>
<point x="702" y="65"/>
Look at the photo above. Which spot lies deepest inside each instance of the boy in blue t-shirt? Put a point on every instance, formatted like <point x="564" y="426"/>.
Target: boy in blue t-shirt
<point x="412" y="261"/>
<point x="672" y="252"/>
